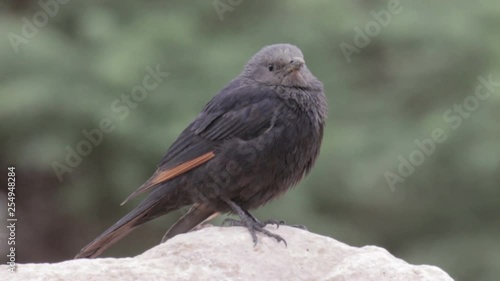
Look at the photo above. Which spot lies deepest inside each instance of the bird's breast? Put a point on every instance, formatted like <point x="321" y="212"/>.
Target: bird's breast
<point x="277" y="160"/>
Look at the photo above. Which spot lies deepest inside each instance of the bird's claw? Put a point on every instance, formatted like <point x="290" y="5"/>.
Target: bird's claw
<point x="281" y="222"/>
<point x="272" y="221"/>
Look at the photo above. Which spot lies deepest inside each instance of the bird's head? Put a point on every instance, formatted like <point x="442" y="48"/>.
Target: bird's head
<point x="281" y="65"/>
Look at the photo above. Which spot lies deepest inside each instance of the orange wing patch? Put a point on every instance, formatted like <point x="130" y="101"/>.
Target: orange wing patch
<point x="163" y="176"/>
<point x="181" y="169"/>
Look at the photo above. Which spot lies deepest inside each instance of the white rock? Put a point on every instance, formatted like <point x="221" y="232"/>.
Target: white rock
<point x="227" y="253"/>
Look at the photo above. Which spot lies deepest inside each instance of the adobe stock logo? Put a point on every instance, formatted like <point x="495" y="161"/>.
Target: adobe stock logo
<point x="223" y="6"/>
<point x="40" y="19"/>
<point x="121" y="110"/>
<point x="363" y="36"/>
<point x="454" y="116"/>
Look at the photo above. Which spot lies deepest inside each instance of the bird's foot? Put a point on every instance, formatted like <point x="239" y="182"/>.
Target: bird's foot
<point x="255" y="226"/>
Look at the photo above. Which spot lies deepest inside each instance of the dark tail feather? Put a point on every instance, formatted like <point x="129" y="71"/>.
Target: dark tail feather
<point x="117" y="231"/>
<point x="196" y="215"/>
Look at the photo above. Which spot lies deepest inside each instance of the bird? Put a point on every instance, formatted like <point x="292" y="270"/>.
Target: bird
<point x="253" y="141"/>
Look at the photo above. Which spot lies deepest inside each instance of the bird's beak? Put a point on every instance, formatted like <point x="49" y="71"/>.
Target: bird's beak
<point x="296" y="63"/>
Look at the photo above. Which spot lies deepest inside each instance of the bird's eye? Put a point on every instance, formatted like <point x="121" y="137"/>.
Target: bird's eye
<point x="270" y="66"/>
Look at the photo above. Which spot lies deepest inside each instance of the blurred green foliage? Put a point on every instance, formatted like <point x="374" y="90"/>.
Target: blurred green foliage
<point x="393" y="92"/>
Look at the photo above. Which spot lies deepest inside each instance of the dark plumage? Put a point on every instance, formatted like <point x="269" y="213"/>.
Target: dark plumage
<point x="253" y="141"/>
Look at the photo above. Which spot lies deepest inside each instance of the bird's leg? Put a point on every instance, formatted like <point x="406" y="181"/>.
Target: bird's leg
<point x="250" y="222"/>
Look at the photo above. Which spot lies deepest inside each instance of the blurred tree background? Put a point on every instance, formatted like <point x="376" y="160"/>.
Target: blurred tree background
<point x="389" y="92"/>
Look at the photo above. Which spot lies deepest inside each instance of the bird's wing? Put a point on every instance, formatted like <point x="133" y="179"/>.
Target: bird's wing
<point x="242" y="112"/>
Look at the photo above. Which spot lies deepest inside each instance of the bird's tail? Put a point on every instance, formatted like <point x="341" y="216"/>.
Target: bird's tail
<point x="141" y="214"/>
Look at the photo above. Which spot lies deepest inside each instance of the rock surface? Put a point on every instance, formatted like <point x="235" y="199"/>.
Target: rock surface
<point x="227" y="253"/>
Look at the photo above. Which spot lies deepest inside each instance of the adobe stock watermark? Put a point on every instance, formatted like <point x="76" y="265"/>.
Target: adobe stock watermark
<point x="223" y="6"/>
<point x="30" y="28"/>
<point x="454" y="116"/>
<point x="363" y="36"/>
<point x="120" y="108"/>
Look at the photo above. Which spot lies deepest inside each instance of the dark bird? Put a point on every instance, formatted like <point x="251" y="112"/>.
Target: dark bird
<point x="253" y="141"/>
